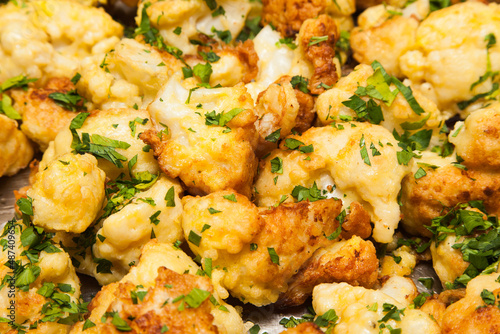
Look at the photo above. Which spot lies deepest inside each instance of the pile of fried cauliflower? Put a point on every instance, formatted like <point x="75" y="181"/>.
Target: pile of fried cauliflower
<point x="267" y="151"/>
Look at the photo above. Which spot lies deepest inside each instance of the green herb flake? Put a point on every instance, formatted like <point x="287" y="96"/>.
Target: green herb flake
<point x="274" y="257"/>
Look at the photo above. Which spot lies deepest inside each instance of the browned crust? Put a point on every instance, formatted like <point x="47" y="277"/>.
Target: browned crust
<point x="304" y="328"/>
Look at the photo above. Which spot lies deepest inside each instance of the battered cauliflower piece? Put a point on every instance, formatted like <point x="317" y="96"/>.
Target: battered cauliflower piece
<point x="450" y="44"/>
<point x="444" y="187"/>
<point x="43" y="39"/>
<point x="353" y="261"/>
<point x="130" y="74"/>
<point x="166" y="16"/>
<point x="407" y="260"/>
<point x="117" y="124"/>
<point x="363" y="310"/>
<point x="447" y="261"/>
<point x="338" y="168"/>
<point x="68" y="194"/>
<point x="154" y="259"/>
<point x="42" y="117"/>
<point x="123" y="234"/>
<point x="475" y="314"/>
<point x="289" y="15"/>
<point x="329" y="105"/>
<point x="477" y="140"/>
<point x="264" y="250"/>
<point x="304" y="328"/>
<point x="371" y="43"/>
<point x="50" y="269"/>
<point x="209" y="142"/>
<point x="15" y="149"/>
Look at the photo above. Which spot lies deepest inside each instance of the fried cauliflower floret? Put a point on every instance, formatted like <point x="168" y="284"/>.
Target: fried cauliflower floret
<point x="42" y="117"/>
<point x="51" y="266"/>
<point x="329" y="105"/>
<point x="208" y="152"/>
<point x="264" y="250"/>
<point x="450" y="44"/>
<point x="352" y="261"/>
<point x="337" y="166"/>
<point x="115" y="124"/>
<point x="374" y="43"/>
<point x="425" y="198"/>
<point x="304" y="328"/>
<point x="128" y="230"/>
<point x="472" y="314"/>
<point x="447" y="261"/>
<point x="68" y="194"/>
<point x="289" y="15"/>
<point x="131" y="74"/>
<point x="407" y="261"/>
<point x="362" y="310"/>
<point x="48" y="38"/>
<point x="166" y="16"/>
<point x="177" y="303"/>
<point x="477" y="141"/>
<point x="15" y="149"/>
<point x="154" y="256"/>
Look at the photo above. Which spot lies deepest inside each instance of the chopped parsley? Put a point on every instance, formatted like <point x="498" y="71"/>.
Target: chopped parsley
<point x="301" y="193"/>
<point x="71" y="100"/>
<point x="300" y="83"/>
<point x="317" y="39"/>
<point x="274" y="257"/>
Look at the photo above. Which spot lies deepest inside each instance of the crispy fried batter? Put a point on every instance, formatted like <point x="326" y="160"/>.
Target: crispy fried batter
<point x="306" y="114"/>
<point x="471" y="314"/>
<point x="434" y="307"/>
<point x="15" y="148"/>
<point x="293" y="230"/>
<point x="321" y="54"/>
<point x="304" y="328"/>
<point x="353" y="261"/>
<point x="357" y="223"/>
<point x="425" y="198"/>
<point x="287" y="16"/>
<point x="42" y="117"/>
<point x="157" y="309"/>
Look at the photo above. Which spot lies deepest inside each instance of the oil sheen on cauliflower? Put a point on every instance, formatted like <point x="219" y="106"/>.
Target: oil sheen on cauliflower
<point x="338" y="166"/>
<point x="15" y="149"/>
<point x="68" y="194"/>
<point x="363" y="310"/>
<point x="48" y="38"/>
<point x="117" y="124"/>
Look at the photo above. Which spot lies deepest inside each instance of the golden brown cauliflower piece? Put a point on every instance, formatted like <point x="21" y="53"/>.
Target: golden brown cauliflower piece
<point x="264" y="250"/>
<point x="117" y="124"/>
<point x="49" y="269"/>
<point x="405" y="266"/>
<point x="447" y="261"/>
<point x="176" y="303"/>
<point x="289" y="15"/>
<point x="42" y="117"/>
<point x="209" y="142"/>
<point x="471" y="314"/>
<point x="352" y="261"/>
<point x="329" y="105"/>
<point x="450" y="44"/>
<point x="362" y="310"/>
<point x="477" y="141"/>
<point x="304" y="328"/>
<point x="338" y="168"/>
<point x="68" y="194"/>
<point x="15" y="149"/>
<point x="43" y="39"/>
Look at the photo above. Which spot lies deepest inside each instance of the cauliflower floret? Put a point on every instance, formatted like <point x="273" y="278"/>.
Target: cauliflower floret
<point x="48" y="38"/>
<point x="304" y="328"/>
<point x="210" y="141"/>
<point x="149" y="272"/>
<point x="447" y="261"/>
<point x="264" y="250"/>
<point x="166" y="16"/>
<point x="329" y="105"/>
<point x="131" y="74"/>
<point x="68" y="194"/>
<point x="477" y="140"/>
<point x="475" y="314"/>
<point x="450" y="44"/>
<point x="289" y="15"/>
<point x="337" y="164"/>
<point x="49" y="269"/>
<point x="15" y="149"/>
<point x="42" y="117"/>
<point x="116" y="124"/>
<point x="403" y="267"/>
<point x="353" y="261"/>
<point x="362" y="310"/>
<point x="124" y="233"/>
